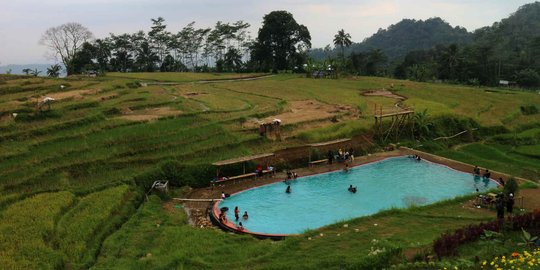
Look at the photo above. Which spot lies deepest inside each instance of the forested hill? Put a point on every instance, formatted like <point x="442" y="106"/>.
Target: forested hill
<point x="516" y="38"/>
<point x="408" y="35"/>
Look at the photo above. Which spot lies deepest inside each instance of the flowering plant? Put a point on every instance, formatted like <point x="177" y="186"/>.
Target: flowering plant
<point x="525" y="260"/>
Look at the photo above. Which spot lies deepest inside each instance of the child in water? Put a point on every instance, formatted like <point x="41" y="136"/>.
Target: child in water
<point x="288" y="190"/>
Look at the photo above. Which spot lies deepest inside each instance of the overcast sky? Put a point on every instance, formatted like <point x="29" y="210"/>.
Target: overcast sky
<point x="23" y="21"/>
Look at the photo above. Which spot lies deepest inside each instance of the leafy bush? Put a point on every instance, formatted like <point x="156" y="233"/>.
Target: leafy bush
<point x="178" y="174"/>
<point x="447" y="243"/>
<point x="511" y="186"/>
<point x="528" y="109"/>
<point x="528" y="78"/>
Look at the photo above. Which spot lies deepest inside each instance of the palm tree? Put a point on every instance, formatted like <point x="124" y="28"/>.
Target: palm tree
<point x="54" y="71"/>
<point x="422" y="124"/>
<point x="342" y="40"/>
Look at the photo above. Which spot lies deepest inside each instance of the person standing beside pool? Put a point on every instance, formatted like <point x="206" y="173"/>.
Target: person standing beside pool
<point x="346" y="169"/>
<point x="240" y="226"/>
<point x="510" y="204"/>
<point x="501" y="181"/>
<point x="236" y="213"/>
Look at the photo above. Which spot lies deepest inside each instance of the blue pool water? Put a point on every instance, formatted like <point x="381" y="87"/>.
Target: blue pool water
<point x="323" y="199"/>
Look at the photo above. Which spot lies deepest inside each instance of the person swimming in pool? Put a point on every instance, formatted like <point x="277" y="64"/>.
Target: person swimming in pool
<point x="346" y="169"/>
<point x="487" y="174"/>
<point x="476" y="170"/>
<point x="352" y="189"/>
<point x="288" y="190"/>
<point x="245" y="216"/>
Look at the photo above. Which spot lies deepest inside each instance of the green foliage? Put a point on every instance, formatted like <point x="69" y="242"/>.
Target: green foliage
<point x="279" y="42"/>
<point x="527" y="239"/>
<point x="54" y="71"/>
<point x="511" y="186"/>
<point x="178" y="174"/>
<point x="528" y="78"/>
<point x="529" y="109"/>
<point x="26" y="228"/>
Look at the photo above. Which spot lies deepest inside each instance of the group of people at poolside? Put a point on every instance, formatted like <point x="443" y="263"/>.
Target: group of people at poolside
<point x="340" y="156"/>
<point x="223" y="217"/>
<point x="501" y="200"/>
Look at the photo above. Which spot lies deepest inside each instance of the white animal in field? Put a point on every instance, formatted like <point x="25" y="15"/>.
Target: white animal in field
<point x="46" y="101"/>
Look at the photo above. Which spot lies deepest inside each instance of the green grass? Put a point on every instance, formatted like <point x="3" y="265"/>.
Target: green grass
<point x="81" y="224"/>
<point x="497" y="157"/>
<point x="25" y="228"/>
<point x="159" y="239"/>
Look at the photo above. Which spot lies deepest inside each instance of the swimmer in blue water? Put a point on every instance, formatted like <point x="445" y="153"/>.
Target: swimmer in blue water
<point x="352" y="189"/>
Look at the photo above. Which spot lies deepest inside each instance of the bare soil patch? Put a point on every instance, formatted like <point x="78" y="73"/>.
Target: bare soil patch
<point x="76" y="94"/>
<point x="306" y="111"/>
<point x="193" y="94"/>
<point x="148" y="114"/>
<point x="382" y="93"/>
<point x="531" y="198"/>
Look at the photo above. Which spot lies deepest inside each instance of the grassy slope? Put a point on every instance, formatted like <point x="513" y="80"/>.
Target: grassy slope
<point x="161" y="239"/>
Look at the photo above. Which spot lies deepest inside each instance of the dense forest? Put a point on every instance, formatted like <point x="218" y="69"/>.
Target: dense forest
<point x="405" y="36"/>
<point x="429" y="50"/>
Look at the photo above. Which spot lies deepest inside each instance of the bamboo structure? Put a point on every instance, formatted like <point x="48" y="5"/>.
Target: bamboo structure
<point x="400" y="120"/>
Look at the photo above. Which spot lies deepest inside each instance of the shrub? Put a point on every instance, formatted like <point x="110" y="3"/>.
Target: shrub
<point x="528" y="78"/>
<point x="178" y="174"/>
<point x="447" y="243"/>
<point x="511" y="186"/>
<point x="528" y="109"/>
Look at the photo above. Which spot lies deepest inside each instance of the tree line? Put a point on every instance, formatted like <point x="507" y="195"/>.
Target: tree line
<point x="507" y="51"/>
<point x="226" y="47"/>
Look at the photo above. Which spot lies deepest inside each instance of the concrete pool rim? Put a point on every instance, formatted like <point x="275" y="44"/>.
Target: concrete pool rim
<point x="232" y="227"/>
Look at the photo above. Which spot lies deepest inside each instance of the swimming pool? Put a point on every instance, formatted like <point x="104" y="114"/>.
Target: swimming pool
<point x="323" y="199"/>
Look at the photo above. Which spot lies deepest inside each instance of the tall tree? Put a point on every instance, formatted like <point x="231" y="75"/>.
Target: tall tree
<point x="342" y="40"/>
<point x="159" y="38"/>
<point x="65" y="41"/>
<point x="279" y="41"/>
